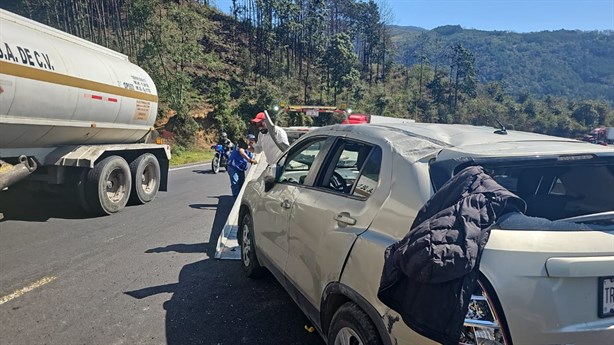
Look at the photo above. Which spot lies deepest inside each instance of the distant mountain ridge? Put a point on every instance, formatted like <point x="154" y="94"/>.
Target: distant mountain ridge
<point x="570" y="63"/>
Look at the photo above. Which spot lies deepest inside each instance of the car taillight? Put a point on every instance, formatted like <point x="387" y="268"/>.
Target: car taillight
<point x="482" y="323"/>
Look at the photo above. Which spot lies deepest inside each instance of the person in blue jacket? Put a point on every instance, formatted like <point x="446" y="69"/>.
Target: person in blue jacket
<point x="238" y="164"/>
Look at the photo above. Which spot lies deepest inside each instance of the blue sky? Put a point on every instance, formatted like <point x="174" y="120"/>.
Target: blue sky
<point x="508" y="15"/>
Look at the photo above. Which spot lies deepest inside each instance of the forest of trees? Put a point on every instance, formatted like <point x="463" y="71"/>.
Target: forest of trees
<point x="215" y="71"/>
<point x="570" y="63"/>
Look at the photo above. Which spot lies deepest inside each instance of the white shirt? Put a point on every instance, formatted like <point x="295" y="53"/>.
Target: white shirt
<point x="267" y="145"/>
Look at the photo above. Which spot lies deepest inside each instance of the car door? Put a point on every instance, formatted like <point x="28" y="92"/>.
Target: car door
<point x="272" y="213"/>
<point x="329" y="215"/>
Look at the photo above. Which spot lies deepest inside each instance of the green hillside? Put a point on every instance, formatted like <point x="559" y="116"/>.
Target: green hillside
<point x="214" y="72"/>
<point x="573" y="64"/>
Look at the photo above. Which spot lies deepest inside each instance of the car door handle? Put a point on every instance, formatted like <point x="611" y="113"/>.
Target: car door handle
<point x="286" y="204"/>
<point x="345" y="218"/>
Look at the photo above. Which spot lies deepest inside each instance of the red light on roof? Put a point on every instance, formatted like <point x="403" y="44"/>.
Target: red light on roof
<point x="356" y="119"/>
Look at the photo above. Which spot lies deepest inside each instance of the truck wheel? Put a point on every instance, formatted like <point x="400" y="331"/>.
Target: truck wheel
<point x="145" y="171"/>
<point x="251" y="266"/>
<point x="351" y="326"/>
<point x="108" y="185"/>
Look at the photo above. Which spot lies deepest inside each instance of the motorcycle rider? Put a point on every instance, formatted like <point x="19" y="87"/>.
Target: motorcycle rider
<point x="226" y="143"/>
<point x="227" y="147"/>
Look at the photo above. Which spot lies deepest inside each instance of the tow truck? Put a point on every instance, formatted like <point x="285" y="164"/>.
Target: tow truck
<point x="601" y="135"/>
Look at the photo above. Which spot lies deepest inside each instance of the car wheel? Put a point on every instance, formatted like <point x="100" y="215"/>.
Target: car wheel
<point x="251" y="266"/>
<point x="351" y="326"/>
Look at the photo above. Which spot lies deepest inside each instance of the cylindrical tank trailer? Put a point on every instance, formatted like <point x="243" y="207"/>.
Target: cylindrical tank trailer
<point x="82" y="114"/>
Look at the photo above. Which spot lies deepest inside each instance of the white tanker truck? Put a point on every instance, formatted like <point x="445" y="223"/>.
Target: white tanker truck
<point x="76" y="115"/>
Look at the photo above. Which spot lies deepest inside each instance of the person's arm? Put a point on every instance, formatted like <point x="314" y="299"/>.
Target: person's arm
<point x="244" y="155"/>
<point x="282" y="139"/>
<point x="258" y="146"/>
<point x="274" y="132"/>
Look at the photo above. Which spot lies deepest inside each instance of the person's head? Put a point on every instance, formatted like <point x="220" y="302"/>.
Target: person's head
<point x="251" y="140"/>
<point x="260" y="124"/>
<point x="224" y="135"/>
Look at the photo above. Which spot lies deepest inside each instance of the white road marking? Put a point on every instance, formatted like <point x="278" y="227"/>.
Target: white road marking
<point x="114" y="238"/>
<point x="27" y="289"/>
<point x="190" y="166"/>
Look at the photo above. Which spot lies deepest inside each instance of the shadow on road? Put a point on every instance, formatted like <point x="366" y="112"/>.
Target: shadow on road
<point x="214" y="303"/>
<point x="180" y="248"/>
<point x="38" y="207"/>
<point x="208" y="171"/>
<point x="204" y="206"/>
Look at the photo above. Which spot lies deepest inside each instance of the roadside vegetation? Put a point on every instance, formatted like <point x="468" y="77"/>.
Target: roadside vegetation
<point x="192" y="155"/>
<point x="214" y="72"/>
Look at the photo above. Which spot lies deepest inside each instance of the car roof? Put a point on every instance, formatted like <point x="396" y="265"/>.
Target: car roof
<point x="455" y="140"/>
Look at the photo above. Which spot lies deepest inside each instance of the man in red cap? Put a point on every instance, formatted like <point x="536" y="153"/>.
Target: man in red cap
<point x="272" y="142"/>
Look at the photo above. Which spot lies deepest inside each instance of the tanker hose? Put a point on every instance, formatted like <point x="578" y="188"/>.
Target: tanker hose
<point x="11" y="174"/>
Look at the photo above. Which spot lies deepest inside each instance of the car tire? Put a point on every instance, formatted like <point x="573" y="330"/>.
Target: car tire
<point x="251" y="266"/>
<point x="350" y="325"/>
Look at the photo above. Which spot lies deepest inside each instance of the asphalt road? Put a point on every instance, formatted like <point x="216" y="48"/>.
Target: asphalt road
<point x="143" y="276"/>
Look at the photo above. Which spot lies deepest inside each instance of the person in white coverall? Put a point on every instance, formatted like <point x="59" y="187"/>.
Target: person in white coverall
<point x="272" y="147"/>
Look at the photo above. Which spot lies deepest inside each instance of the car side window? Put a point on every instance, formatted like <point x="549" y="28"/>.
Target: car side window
<point x="353" y="168"/>
<point x="298" y="163"/>
<point x="369" y="178"/>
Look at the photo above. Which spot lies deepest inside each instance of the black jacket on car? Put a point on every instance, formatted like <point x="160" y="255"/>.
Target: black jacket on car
<point x="429" y="275"/>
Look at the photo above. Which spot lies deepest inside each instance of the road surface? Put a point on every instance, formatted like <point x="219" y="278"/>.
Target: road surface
<point x="143" y="276"/>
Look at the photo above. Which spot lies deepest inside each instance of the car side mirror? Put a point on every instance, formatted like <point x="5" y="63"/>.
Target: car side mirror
<point x="270" y="176"/>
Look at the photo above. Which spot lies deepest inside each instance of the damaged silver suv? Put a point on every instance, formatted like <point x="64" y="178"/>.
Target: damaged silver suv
<point x="321" y="218"/>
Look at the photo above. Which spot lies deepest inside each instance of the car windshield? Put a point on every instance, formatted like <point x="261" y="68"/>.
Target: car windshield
<point x="561" y="190"/>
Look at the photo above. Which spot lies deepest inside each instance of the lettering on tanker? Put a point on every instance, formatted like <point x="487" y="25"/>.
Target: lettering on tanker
<point x="26" y="56"/>
<point x="141" y="84"/>
<point x="128" y="86"/>
<point x="141" y="112"/>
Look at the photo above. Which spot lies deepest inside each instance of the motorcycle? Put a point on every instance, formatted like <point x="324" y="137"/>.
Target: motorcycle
<point x="220" y="159"/>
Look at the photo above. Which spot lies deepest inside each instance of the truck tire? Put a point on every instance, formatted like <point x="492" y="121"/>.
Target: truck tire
<point x="145" y="171"/>
<point x="108" y="185"/>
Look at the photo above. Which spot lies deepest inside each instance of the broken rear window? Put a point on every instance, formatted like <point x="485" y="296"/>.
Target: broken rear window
<point x="559" y="189"/>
